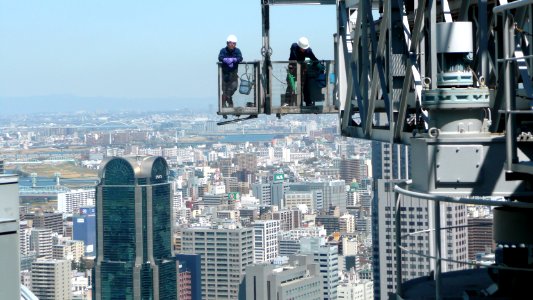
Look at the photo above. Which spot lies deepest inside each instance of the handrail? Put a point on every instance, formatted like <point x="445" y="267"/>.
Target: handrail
<point x="512" y="5"/>
<point x="441" y="198"/>
<point x="437" y="199"/>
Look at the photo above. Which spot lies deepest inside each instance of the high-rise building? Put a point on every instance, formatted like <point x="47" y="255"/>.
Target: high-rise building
<point x="347" y="223"/>
<point x="480" y="236"/>
<point x="134" y="256"/>
<point x="189" y="277"/>
<point x="333" y="192"/>
<point x="24" y="238"/>
<point x="263" y="192"/>
<point x="328" y="259"/>
<point x="52" y="221"/>
<point x="50" y="279"/>
<point x="266" y="246"/>
<point x="417" y="215"/>
<point x="362" y="290"/>
<point x="69" y="250"/>
<point x="289" y="218"/>
<point x="353" y="169"/>
<point x="231" y="184"/>
<point x="41" y="242"/>
<point x="84" y="229"/>
<point x="71" y="201"/>
<point x="389" y="161"/>
<point x="225" y="253"/>
<point x="246" y="161"/>
<point x="297" y="198"/>
<point x="330" y="223"/>
<point x="300" y="279"/>
<point x="9" y="237"/>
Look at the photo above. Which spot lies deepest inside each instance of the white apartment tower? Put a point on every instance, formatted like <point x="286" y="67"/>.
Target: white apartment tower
<point x="24" y="238"/>
<point x="50" y="279"/>
<point x="266" y="246"/>
<point x="328" y="259"/>
<point x="225" y="253"/>
<point x="347" y="223"/>
<point x="71" y="201"/>
<point x="41" y="242"/>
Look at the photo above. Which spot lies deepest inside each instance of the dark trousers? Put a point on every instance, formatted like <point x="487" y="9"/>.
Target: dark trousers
<point x="230" y="81"/>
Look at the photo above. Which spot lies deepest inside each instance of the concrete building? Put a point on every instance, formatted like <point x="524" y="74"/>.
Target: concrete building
<point x="41" y="242"/>
<point x="52" y="221"/>
<point x="214" y="200"/>
<point x="300" y="279"/>
<point x="9" y="237"/>
<point x="327" y="257"/>
<point x="362" y="290"/>
<point x="289" y="219"/>
<point x="266" y="246"/>
<point x="416" y="215"/>
<point x="229" y="215"/>
<point x="353" y="169"/>
<point x="330" y="223"/>
<point x="347" y="223"/>
<point x="327" y="192"/>
<point x="24" y="238"/>
<point x="225" y="253"/>
<point x="134" y="255"/>
<point x="68" y="250"/>
<point x="270" y="193"/>
<point x="50" y="279"/>
<point x="390" y="162"/>
<point x="70" y="202"/>
<point x="246" y="161"/>
<point x="293" y="199"/>
<point x="480" y="236"/>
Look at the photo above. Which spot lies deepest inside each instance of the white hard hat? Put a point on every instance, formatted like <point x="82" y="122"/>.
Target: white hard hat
<point x="303" y="42"/>
<point x="231" y="38"/>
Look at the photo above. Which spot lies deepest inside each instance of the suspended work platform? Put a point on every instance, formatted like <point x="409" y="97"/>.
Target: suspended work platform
<point x="295" y="88"/>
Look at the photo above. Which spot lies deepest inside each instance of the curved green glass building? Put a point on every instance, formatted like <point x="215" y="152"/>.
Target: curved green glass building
<point x="134" y="258"/>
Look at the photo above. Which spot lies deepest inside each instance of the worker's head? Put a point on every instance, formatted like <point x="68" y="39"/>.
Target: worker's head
<point x="303" y="43"/>
<point x="231" y="41"/>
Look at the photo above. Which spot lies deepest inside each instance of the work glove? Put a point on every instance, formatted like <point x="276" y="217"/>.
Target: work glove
<point x="227" y="60"/>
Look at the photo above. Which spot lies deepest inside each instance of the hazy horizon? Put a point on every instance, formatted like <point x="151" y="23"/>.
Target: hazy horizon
<point x="72" y="103"/>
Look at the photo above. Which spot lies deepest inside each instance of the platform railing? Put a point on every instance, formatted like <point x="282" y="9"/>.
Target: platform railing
<point x="288" y="81"/>
<point x="402" y="190"/>
<point x="246" y="100"/>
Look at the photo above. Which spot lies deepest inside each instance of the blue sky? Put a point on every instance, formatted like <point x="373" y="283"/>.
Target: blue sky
<point x="140" y="49"/>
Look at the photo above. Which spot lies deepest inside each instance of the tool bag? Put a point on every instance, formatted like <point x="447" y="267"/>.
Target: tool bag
<point x="247" y="83"/>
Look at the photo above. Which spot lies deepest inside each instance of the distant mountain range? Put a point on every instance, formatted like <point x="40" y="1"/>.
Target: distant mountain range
<point x="68" y="103"/>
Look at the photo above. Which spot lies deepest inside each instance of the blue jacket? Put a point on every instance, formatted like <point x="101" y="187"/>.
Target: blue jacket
<point x="299" y="55"/>
<point x="225" y="52"/>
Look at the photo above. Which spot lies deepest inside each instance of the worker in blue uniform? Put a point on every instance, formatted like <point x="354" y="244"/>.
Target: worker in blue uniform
<point x="230" y="57"/>
<point x="299" y="52"/>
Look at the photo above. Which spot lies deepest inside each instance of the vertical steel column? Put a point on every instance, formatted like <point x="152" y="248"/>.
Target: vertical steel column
<point x="483" y="31"/>
<point x="364" y="58"/>
<point x="438" y="249"/>
<point x="398" y="241"/>
<point x="265" y="12"/>
<point x="433" y="65"/>
<point x="510" y="139"/>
